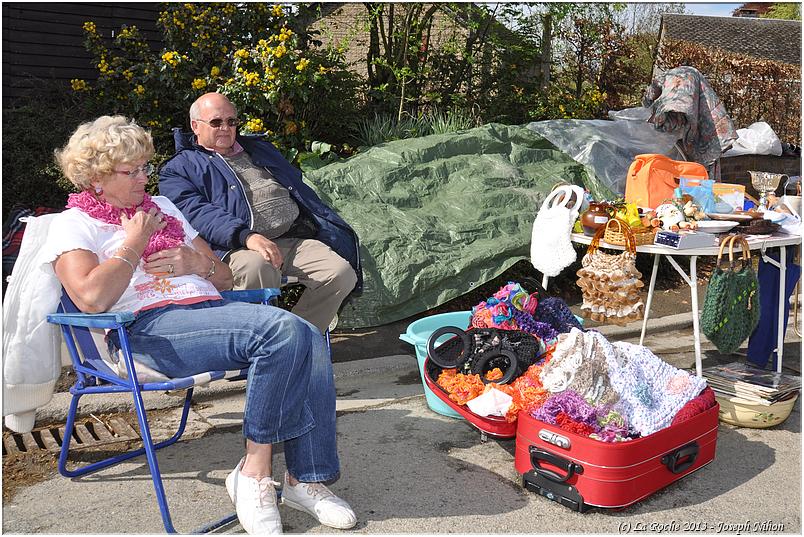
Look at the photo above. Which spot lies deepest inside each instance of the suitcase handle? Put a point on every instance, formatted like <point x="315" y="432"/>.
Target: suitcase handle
<point x="682" y="458"/>
<point x="570" y="467"/>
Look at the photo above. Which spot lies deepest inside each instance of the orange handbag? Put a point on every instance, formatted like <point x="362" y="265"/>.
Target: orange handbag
<point x="652" y="178"/>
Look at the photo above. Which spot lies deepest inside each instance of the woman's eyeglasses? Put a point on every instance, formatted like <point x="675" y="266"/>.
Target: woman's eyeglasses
<point x="219" y="123"/>
<point x="147" y="169"/>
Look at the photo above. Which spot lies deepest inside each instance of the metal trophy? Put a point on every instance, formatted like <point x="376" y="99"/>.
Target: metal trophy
<point x="765" y="183"/>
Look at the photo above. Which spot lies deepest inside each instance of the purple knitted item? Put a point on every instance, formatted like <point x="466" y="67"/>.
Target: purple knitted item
<point x="556" y="313"/>
<point x="576" y="407"/>
<point x="572" y="404"/>
<point x="529" y="324"/>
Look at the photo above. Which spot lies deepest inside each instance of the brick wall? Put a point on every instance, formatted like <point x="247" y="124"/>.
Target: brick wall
<point x="735" y="169"/>
<point x="348" y="27"/>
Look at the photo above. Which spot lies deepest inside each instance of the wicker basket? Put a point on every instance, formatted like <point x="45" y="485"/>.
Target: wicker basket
<point x="616" y="236"/>
<point x="742" y="413"/>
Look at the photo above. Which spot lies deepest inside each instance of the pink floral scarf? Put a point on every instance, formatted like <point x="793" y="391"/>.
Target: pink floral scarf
<point x="171" y="236"/>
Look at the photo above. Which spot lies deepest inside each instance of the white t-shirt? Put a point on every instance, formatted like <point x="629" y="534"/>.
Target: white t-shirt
<point x="73" y="229"/>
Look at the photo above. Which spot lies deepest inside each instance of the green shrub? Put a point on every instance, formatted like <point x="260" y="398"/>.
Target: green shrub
<point x="386" y="127"/>
<point x="254" y="53"/>
<point x="33" y="128"/>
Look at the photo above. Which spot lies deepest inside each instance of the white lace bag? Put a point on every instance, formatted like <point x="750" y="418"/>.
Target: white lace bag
<point x="551" y="249"/>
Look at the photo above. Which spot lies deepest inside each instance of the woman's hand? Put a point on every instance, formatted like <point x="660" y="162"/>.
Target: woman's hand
<point x="177" y="262"/>
<point x="143" y="224"/>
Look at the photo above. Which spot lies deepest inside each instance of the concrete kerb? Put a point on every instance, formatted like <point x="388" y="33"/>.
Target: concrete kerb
<point x="345" y="373"/>
<point x="661" y="324"/>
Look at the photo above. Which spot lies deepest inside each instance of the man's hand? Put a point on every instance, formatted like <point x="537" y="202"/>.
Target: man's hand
<point x="267" y="248"/>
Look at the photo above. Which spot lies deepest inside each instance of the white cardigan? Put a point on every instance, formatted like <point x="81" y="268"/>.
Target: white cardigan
<point x="31" y="345"/>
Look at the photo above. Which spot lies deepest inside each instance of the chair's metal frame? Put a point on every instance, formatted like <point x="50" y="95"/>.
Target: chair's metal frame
<point x="95" y="376"/>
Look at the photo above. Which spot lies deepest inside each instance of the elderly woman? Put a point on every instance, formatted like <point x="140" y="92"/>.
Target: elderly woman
<point x="118" y="249"/>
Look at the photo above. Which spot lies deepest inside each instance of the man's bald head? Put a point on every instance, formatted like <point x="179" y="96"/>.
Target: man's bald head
<point x="213" y="119"/>
<point x="208" y="100"/>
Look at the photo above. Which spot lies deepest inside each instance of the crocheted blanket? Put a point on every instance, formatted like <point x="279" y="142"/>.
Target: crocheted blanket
<point x="651" y="390"/>
<point x="644" y="389"/>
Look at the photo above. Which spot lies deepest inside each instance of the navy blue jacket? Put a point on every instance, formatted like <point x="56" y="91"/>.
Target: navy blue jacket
<point x="209" y="194"/>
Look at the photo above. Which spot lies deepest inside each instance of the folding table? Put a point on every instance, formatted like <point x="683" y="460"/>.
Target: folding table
<point x="754" y="242"/>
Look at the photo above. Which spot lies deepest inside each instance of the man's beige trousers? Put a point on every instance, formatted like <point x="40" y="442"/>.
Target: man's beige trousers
<point x="328" y="277"/>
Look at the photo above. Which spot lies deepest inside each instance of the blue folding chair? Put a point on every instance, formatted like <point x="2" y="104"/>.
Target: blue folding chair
<point x="95" y="376"/>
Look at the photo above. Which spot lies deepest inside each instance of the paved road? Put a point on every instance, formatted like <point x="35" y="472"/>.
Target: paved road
<point x="409" y="470"/>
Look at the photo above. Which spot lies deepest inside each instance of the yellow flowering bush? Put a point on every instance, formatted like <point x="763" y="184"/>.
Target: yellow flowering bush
<point x="558" y="103"/>
<point x="171" y="58"/>
<point x="254" y="125"/>
<point x="252" y="52"/>
<point x="79" y="85"/>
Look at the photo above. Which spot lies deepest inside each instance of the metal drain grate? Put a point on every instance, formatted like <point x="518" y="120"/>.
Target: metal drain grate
<point x="88" y="434"/>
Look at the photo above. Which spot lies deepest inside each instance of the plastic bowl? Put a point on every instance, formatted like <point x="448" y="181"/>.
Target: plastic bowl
<point x="742" y="413"/>
<point x="417" y="334"/>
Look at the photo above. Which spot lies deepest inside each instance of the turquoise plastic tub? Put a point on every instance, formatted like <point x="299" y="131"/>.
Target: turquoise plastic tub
<point x="418" y="333"/>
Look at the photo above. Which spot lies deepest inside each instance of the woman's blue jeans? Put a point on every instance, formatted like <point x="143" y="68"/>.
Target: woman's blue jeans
<point x="290" y="392"/>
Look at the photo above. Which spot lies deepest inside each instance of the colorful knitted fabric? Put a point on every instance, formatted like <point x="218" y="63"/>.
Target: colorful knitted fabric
<point x="527" y="391"/>
<point x="503" y="309"/>
<point x="700" y="404"/>
<point x="651" y="390"/>
<point x="579" y="363"/>
<point x="512" y="308"/>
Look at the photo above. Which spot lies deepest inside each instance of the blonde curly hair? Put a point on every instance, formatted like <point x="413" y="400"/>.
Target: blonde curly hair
<point x="97" y="147"/>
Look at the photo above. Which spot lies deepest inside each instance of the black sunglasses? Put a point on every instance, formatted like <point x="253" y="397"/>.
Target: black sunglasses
<point x="218" y="123"/>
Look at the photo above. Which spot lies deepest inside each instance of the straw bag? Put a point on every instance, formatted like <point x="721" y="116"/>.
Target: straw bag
<point x="731" y="306"/>
<point x="617" y="236"/>
<point x="611" y="283"/>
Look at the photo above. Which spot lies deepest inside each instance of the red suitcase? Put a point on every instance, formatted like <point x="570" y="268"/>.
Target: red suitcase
<point x="580" y="472"/>
<point x="493" y="426"/>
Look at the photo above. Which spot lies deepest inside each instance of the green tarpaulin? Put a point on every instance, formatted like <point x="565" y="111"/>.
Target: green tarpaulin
<point x="442" y="214"/>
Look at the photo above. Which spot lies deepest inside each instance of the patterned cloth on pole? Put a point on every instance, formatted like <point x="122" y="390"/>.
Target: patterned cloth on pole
<point x="682" y="100"/>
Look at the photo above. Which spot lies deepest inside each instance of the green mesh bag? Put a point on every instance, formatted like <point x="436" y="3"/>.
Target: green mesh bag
<point x="731" y="306"/>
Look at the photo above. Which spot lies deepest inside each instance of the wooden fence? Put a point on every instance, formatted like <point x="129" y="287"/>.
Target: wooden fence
<point x="44" y="42"/>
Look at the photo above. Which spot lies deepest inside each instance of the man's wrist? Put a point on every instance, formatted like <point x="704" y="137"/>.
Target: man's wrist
<point x="244" y="235"/>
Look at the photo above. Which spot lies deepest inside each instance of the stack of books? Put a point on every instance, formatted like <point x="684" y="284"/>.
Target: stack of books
<point x="757" y="386"/>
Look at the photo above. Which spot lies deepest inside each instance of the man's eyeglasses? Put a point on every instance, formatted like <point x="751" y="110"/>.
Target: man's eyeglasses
<point x="147" y="169"/>
<point x="219" y="123"/>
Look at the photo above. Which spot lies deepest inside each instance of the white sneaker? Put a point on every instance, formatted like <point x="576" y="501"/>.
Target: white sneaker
<point x="316" y="499"/>
<point x="255" y="502"/>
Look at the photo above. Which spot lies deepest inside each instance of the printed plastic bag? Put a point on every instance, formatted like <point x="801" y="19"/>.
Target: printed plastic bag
<point x="701" y="192"/>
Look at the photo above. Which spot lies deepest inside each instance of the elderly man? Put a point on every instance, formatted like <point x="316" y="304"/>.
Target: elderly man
<point x="258" y="215"/>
